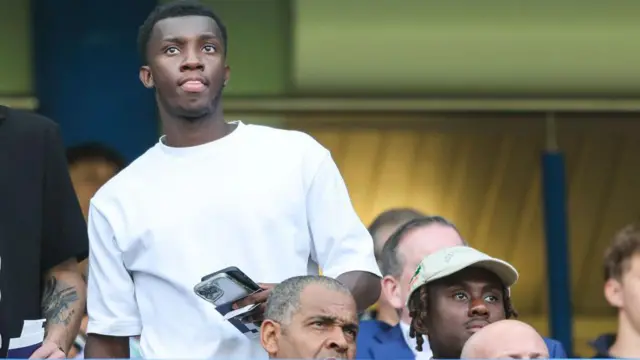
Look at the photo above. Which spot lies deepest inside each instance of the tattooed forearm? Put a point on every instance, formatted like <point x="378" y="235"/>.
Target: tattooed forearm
<point x="63" y="302"/>
<point x="57" y="301"/>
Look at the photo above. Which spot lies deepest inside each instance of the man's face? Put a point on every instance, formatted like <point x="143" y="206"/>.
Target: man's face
<point x="462" y="304"/>
<point x="415" y="246"/>
<point x="325" y="326"/>
<point x="186" y="65"/>
<point x="624" y="294"/>
<point x="87" y="177"/>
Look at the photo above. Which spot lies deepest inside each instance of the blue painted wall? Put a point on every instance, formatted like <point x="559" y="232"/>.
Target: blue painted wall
<point x="86" y="72"/>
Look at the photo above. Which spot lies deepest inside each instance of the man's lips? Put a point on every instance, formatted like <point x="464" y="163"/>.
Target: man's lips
<point x="476" y="324"/>
<point x="193" y="83"/>
<point x="193" y="86"/>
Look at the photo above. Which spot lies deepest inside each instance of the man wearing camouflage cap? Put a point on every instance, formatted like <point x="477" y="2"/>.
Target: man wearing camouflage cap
<point x="457" y="291"/>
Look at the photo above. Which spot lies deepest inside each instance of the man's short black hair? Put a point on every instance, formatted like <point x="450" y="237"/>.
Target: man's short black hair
<point x="95" y="151"/>
<point x="175" y="9"/>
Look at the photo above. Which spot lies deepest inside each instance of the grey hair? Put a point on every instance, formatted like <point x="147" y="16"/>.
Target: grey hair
<point x="392" y="262"/>
<point x="284" y="300"/>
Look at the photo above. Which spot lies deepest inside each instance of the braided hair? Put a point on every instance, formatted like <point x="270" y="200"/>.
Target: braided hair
<point x="419" y="308"/>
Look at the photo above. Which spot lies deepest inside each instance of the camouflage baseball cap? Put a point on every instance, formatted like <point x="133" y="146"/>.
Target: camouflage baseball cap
<point x="450" y="260"/>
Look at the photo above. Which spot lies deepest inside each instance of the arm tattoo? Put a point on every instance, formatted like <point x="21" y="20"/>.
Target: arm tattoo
<point x="56" y="301"/>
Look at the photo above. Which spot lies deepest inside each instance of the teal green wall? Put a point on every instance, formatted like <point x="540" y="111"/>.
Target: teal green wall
<point x="544" y="47"/>
<point x="465" y="48"/>
<point x="15" y="48"/>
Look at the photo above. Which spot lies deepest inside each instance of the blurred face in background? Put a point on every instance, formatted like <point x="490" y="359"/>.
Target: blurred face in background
<point x="624" y="294"/>
<point x="88" y="176"/>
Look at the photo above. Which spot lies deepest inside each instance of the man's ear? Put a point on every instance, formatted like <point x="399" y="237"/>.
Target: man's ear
<point x="613" y="293"/>
<point x="145" y="77"/>
<point x="391" y="292"/>
<point x="227" y="75"/>
<point x="269" y="334"/>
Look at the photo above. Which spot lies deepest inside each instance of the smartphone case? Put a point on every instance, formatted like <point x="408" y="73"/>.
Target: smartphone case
<point x="225" y="287"/>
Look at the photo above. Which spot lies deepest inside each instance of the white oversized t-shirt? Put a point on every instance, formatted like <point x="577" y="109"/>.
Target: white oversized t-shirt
<point x="262" y="199"/>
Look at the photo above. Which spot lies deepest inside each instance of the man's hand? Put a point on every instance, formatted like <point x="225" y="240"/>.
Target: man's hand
<point x="49" y="350"/>
<point x="257" y="314"/>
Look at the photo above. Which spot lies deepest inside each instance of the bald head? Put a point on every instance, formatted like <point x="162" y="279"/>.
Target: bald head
<point x="506" y="339"/>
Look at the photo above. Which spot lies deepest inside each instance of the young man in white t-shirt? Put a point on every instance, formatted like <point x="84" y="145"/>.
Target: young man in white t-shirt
<point x="210" y="195"/>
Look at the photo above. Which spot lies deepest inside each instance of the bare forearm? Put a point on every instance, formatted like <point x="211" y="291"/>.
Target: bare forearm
<point x="63" y="303"/>
<point x="106" y="347"/>
<point x="83" y="267"/>
<point x="364" y="286"/>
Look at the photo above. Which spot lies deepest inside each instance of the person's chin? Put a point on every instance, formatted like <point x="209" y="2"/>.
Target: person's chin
<point x="331" y="356"/>
<point x="194" y="112"/>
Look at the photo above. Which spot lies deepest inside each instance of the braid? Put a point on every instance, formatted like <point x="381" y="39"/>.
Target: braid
<point x="509" y="310"/>
<point x="418" y="312"/>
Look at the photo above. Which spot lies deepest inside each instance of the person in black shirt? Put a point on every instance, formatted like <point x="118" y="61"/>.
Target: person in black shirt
<point x="42" y="234"/>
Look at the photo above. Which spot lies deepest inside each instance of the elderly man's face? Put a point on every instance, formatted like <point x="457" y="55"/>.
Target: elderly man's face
<point x="324" y="326"/>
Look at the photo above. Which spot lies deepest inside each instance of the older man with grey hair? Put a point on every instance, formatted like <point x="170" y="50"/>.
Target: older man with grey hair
<point x="310" y="317"/>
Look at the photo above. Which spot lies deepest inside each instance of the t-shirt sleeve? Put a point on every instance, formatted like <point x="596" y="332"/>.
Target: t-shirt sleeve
<point x="341" y="241"/>
<point x="111" y="302"/>
<point x="64" y="228"/>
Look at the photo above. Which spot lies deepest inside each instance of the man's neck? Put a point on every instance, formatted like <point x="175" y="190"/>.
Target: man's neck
<point x="387" y="314"/>
<point x="186" y="133"/>
<point x="404" y="316"/>
<point x="445" y="353"/>
<point x="627" y="344"/>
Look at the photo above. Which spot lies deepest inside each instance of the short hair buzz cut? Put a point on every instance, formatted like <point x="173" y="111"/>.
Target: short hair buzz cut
<point x="284" y="301"/>
<point x="625" y="244"/>
<point x="173" y="9"/>
<point x="394" y="216"/>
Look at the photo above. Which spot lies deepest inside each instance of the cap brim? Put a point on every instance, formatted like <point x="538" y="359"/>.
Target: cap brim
<point x="507" y="273"/>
